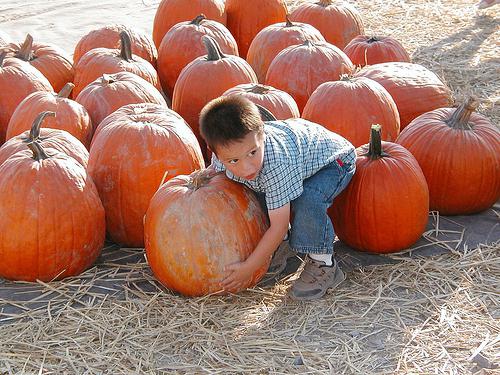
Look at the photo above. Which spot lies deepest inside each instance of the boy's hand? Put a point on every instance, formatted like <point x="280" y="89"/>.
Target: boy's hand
<point x="237" y="275"/>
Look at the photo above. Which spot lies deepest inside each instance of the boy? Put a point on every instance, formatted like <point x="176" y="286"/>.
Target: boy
<point x="298" y="166"/>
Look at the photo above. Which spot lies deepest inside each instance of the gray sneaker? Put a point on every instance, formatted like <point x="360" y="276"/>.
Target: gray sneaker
<point x="316" y="278"/>
<point x="280" y="257"/>
<point x="278" y="263"/>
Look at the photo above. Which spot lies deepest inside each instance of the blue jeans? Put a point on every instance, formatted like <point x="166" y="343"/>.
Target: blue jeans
<point x="312" y="230"/>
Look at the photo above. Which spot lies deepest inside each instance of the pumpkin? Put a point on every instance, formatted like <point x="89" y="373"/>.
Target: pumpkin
<point x="51" y="217"/>
<point x="364" y="50"/>
<point x="18" y="79"/>
<point x="350" y="106"/>
<point x="459" y="152"/>
<point x="273" y="39"/>
<point x="112" y="91"/>
<point x="207" y="78"/>
<point x="195" y="226"/>
<point x="300" y="69"/>
<point x="338" y="23"/>
<point x="414" y="88"/>
<point x="70" y="115"/>
<point x="182" y="44"/>
<point x="50" y="60"/>
<point x="99" y="61"/>
<point x="384" y="208"/>
<point x="109" y="37"/>
<point x="57" y="139"/>
<point x="278" y="102"/>
<point x="246" y="18"/>
<point x="132" y="150"/>
<point x="171" y="12"/>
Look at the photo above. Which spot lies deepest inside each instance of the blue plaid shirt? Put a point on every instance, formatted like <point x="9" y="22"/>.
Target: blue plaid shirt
<point x="294" y="150"/>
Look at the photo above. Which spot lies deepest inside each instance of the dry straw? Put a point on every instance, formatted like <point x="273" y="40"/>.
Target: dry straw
<point x="435" y="315"/>
<point x="426" y="315"/>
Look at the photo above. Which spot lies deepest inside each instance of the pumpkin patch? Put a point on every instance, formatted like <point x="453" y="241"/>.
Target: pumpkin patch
<point x="144" y="174"/>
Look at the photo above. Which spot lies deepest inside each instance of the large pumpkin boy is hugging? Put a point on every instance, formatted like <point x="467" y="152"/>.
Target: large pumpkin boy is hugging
<point x="294" y="166"/>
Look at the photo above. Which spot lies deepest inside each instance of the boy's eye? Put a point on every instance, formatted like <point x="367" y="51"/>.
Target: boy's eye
<point x="253" y="152"/>
<point x="233" y="161"/>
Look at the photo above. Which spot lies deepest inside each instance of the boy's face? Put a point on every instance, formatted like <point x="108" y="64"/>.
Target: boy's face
<point x="244" y="157"/>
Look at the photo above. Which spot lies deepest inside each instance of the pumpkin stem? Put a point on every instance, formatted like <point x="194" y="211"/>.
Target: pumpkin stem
<point x="37" y="124"/>
<point x="346" y="77"/>
<point x="107" y="79"/>
<point x="38" y="151"/>
<point x="2" y="57"/>
<point x="373" y="39"/>
<point x="325" y="3"/>
<point x="125" y="46"/>
<point x="259" y="89"/>
<point x="66" y="90"/>
<point x="213" y="50"/>
<point x="308" y="43"/>
<point x="461" y="116"/>
<point x="197" y="20"/>
<point x="288" y="22"/>
<point x="26" y="51"/>
<point x="164" y="179"/>
<point x="199" y="179"/>
<point x="375" y="148"/>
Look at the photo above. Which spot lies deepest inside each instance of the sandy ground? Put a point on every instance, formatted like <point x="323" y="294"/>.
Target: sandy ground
<point x="63" y="23"/>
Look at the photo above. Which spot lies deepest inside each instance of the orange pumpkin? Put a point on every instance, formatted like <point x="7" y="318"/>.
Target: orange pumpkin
<point x="70" y="115"/>
<point x="50" y="60"/>
<point x="49" y="138"/>
<point x="384" y="208"/>
<point x="300" y="69"/>
<point x="53" y="226"/>
<point x="99" y="61"/>
<point x="414" y="88"/>
<point x="459" y="152"/>
<point x="350" y="106"/>
<point x="196" y="225"/>
<point x="133" y="148"/>
<point x="182" y="44"/>
<point x="18" y="79"/>
<point x="364" y="50"/>
<point x="338" y="23"/>
<point x="246" y="18"/>
<point x="171" y="12"/>
<point x="111" y="91"/>
<point x="273" y="39"/>
<point x="207" y="78"/>
<point x="278" y="102"/>
<point x="109" y="37"/>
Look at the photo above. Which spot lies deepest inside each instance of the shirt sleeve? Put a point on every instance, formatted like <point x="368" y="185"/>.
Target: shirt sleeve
<point x="283" y="184"/>
<point x="217" y="164"/>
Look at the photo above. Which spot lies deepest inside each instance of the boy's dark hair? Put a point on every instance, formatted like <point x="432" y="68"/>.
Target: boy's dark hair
<point x="227" y="119"/>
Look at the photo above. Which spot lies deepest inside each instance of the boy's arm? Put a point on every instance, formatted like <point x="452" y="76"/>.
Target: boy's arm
<point x="237" y="274"/>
